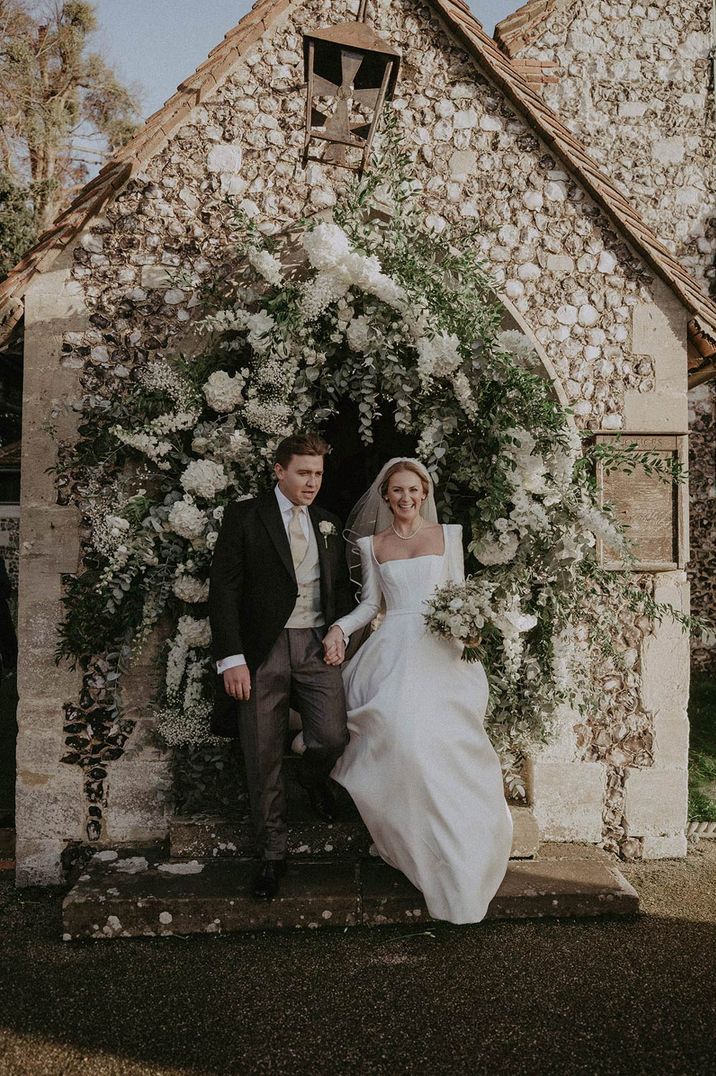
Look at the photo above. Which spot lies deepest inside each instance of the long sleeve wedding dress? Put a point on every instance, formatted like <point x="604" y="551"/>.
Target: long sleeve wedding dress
<point x="420" y="766"/>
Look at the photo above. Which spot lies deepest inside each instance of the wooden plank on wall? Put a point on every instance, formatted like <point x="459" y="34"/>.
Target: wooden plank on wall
<point x="654" y="511"/>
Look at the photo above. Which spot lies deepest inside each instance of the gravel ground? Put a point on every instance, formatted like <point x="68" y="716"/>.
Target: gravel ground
<point x="577" y="996"/>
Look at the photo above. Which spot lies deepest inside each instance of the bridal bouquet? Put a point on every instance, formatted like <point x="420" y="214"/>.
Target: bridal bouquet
<point x="472" y="612"/>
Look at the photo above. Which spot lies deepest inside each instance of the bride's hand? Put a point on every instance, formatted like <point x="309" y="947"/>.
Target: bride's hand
<point x="334" y="646"/>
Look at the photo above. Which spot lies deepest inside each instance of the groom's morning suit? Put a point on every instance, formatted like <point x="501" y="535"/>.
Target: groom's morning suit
<point x="277" y="584"/>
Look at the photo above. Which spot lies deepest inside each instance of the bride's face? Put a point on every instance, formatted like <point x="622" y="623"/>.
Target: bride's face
<point x="405" y="495"/>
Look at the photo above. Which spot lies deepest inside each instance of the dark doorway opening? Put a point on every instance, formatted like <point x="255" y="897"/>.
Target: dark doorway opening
<point x="352" y="465"/>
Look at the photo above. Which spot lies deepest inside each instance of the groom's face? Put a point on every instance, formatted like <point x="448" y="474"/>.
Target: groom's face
<point x="300" y="480"/>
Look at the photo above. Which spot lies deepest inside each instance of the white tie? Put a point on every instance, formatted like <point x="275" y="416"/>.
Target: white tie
<point x="296" y="537"/>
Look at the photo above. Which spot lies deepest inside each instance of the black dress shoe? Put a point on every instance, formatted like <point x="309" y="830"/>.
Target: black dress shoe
<point x="265" y="885"/>
<point x="322" y="800"/>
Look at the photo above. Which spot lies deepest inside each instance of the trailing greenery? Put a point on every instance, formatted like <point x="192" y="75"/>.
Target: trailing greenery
<point x="702" y="749"/>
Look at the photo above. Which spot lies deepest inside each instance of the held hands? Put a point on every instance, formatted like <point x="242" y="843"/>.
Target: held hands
<point x="237" y="682"/>
<point x="334" y="646"/>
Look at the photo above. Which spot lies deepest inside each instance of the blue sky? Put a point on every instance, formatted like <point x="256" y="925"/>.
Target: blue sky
<point x="154" y="44"/>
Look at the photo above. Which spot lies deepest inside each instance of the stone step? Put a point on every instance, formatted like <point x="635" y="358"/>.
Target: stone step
<point x="219" y="836"/>
<point x="120" y="895"/>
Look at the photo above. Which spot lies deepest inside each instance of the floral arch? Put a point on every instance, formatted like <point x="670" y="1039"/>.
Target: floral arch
<point x="368" y="305"/>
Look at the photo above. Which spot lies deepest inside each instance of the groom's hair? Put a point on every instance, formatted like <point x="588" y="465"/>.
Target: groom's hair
<point x="304" y="443"/>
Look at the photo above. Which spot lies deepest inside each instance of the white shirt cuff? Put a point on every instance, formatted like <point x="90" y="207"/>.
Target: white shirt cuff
<point x="230" y="663"/>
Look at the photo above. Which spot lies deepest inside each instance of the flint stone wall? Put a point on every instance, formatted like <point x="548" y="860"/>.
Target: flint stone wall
<point x="635" y="84"/>
<point x="615" y="336"/>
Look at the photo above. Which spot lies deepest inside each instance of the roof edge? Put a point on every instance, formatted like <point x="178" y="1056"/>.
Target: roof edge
<point x="520" y="28"/>
<point x="491" y="61"/>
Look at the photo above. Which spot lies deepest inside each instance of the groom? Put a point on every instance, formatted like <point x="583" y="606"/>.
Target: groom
<point x="278" y="580"/>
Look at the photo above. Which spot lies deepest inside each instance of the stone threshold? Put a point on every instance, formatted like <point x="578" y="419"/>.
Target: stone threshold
<point x="123" y="896"/>
<point x="219" y="836"/>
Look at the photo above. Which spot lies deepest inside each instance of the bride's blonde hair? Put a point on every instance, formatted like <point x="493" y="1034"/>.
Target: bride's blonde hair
<point x="405" y="465"/>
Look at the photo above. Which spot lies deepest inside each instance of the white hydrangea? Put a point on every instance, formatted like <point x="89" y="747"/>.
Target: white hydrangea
<point x="388" y="291"/>
<point x="266" y="265"/>
<point x="326" y="245"/>
<point x="186" y="520"/>
<point x="339" y="268"/>
<point x="194" y="632"/>
<point x="190" y="589"/>
<point x="363" y="270"/>
<point x="438" y="356"/>
<point x="223" y="392"/>
<point x="204" y="478"/>
<point x="491" y="549"/>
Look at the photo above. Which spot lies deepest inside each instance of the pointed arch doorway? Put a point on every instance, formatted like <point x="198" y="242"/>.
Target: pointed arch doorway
<point x="352" y="465"/>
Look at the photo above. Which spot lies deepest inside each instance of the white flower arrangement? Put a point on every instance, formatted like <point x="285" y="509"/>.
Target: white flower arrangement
<point x="189" y="589"/>
<point x="224" y="392"/>
<point x="149" y="445"/>
<point x="419" y="335"/>
<point x="266" y="265"/>
<point x="186" y="520"/>
<point x="204" y="478"/>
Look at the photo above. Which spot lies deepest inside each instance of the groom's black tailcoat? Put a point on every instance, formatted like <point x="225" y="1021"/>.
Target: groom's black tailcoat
<point x="253" y="589"/>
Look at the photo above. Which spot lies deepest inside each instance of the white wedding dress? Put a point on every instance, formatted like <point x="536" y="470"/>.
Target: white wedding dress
<point x="419" y="766"/>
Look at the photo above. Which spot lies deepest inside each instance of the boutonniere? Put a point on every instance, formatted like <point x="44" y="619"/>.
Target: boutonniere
<point x="326" y="528"/>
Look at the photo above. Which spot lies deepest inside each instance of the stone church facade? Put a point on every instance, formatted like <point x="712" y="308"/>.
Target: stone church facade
<point x="635" y="83"/>
<point x="609" y="310"/>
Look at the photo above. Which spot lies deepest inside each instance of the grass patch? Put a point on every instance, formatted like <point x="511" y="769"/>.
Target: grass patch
<point x="702" y="748"/>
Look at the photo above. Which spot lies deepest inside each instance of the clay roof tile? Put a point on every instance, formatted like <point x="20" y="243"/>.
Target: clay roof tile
<point x="492" y="62"/>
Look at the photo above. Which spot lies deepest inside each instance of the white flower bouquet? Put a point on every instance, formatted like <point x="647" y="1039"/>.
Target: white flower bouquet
<point x="460" y="611"/>
<point x="472" y="611"/>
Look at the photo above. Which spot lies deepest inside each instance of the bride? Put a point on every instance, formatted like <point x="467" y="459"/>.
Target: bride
<point x="419" y="766"/>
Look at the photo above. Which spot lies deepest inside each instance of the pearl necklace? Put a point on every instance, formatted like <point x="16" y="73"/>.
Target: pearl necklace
<point x="407" y="537"/>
